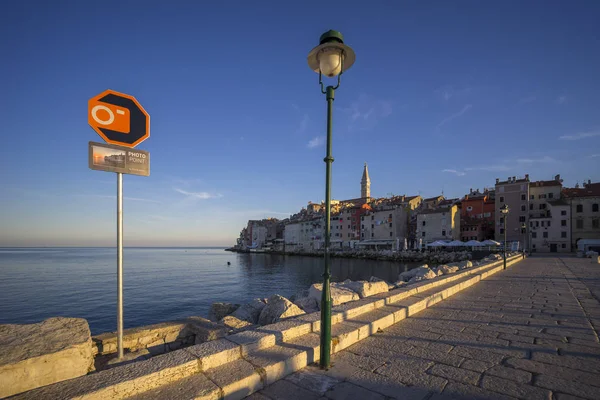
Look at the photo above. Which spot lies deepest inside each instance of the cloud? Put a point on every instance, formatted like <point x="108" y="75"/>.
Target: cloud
<point x="579" y="136"/>
<point x="545" y="159"/>
<point x="561" y="99"/>
<point x="490" y="168"/>
<point x="453" y="171"/>
<point x="594" y="155"/>
<point x="102" y="196"/>
<point x="303" y="124"/>
<point x="448" y="91"/>
<point x="199" y="195"/>
<point x="525" y="100"/>
<point x="365" y="112"/>
<point x="316" y="142"/>
<point x="453" y="116"/>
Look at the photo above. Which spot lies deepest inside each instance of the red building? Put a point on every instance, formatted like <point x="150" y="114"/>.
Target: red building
<point x="477" y="216"/>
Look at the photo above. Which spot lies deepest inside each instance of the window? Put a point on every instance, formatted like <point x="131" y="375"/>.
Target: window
<point x="362" y="235"/>
<point x="372" y="226"/>
<point x="537" y="224"/>
<point x="564" y="245"/>
<point x="595" y="207"/>
<point x="523" y="197"/>
<point x="469" y="208"/>
<point x="522" y="218"/>
<point x="390" y="216"/>
<point x="545" y="235"/>
<point x="531" y="206"/>
<point x="487" y="215"/>
<point x="390" y="224"/>
<point x="523" y="207"/>
<point x="501" y="220"/>
<point x="579" y="224"/>
<point x="501" y="199"/>
<point x="423" y="223"/>
<point x="501" y="231"/>
<point x="348" y="226"/>
<point x="531" y="197"/>
<point x="423" y="234"/>
<point x="372" y="234"/>
<point x="533" y="235"/>
<point x="550" y="195"/>
<point x="563" y="234"/>
<point x="563" y="212"/>
<point x="533" y="246"/>
<point x="596" y="223"/>
<point x="362" y="226"/>
<point x="579" y="208"/>
<point x="542" y="224"/>
<point x="443" y="233"/>
<point x="531" y="224"/>
<point x="390" y="234"/>
<point x="349" y="235"/>
<point x="543" y="206"/>
<point x="549" y="223"/>
<point x="563" y="222"/>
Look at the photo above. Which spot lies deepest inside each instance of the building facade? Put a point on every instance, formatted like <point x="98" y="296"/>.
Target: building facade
<point x="439" y="224"/>
<point x="585" y="212"/>
<point x="477" y="216"/>
<point x="515" y="194"/>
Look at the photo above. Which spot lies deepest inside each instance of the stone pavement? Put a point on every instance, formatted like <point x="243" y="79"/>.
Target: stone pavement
<point x="530" y="332"/>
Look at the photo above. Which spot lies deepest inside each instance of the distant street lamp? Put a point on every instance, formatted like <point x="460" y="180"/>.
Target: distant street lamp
<point x="330" y="58"/>
<point x="505" y="210"/>
<point x="524" y="232"/>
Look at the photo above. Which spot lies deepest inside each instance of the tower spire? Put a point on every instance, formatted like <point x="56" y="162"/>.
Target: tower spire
<point x="365" y="183"/>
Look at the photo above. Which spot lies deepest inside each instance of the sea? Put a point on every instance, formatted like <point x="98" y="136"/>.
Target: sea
<point x="159" y="284"/>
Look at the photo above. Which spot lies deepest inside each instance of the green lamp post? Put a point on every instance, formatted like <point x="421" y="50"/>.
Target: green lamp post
<point x="504" y="210"/>
<point x="330" y="58"/>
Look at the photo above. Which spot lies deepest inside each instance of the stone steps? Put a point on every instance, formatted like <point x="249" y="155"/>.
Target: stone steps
<point x="241" y="364"/>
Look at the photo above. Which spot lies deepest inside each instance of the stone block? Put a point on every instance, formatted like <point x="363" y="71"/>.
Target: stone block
<point x="215" y="353"/>
<point x="510" y="388"/>
<point x="310" y="343"/>
<point x="205" y="330"/>
<point x="512" y="374"/>
<point x="347" y="390"/>
<point x="237" y="379"/>
<point x="313" y="380"/>
<point x="278" y="308"/>
<point x="286" y="390"/>
<point x="278" y="362"/>
<point x="339" y="295"/>
<point x="365" y="288"/>
<point x="219" y="310"/>
<point x="34" y="355"/>
<point x="197" y="387"/>
<point x="250" y="312"/>
<point x="287" y="329"/>
<point x="455" y="374"/>
<point x="253" y="340"/>
<point x="307" y="304"/>
<point x="568" y="386"/>
<point x="344" y="334"/>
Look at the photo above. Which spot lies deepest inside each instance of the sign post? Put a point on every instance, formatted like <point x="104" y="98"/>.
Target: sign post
<point x="123" y="123"/>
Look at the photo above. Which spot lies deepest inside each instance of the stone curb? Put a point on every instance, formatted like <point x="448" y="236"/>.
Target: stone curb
<point x="243" y="363"/>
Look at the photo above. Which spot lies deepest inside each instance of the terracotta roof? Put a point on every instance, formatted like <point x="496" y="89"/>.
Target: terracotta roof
<point x="591" y="190"/>
<point x="545" y="183"/>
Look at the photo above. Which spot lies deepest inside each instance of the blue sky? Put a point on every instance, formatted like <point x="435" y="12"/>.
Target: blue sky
<point x="443" y="96"/>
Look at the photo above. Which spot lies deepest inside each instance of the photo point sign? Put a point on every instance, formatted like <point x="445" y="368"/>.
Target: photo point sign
<point x="123" y="124"/>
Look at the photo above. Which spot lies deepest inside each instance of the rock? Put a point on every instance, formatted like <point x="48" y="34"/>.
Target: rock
<point x="423" y="274"/>
<point x="465" y="264"/>
<point x="298" y="295"/>
<point x="406" y="276"/>
<point x="399" y="284"/>
<point x="34" y="355"/>
<point x="308" y="304"/>
<point x="447" y="269"/>
<point x="278" y="308"/>
<point x="437" y="271"/>
<point x="205" y="330"/>
<point x="220" y="310"/>
<point x="234" y="323"/>
<point x="339" y="295"/>
<point x="366" y="289"/>
<point x="376" y="279"/>
<point x="250" y="312"/>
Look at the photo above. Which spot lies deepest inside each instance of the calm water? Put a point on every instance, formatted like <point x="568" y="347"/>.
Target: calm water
<point x="160" y="284"/>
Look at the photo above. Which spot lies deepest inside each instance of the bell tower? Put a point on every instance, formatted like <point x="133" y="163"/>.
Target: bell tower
<point x="365" y="184"/>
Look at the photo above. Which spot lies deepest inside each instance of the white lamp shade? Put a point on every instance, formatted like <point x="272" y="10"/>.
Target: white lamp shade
<point x="327" y="58"/>
<point x="330" y="61"/>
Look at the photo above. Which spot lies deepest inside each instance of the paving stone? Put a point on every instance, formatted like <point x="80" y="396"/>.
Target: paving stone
<point x="257" y="396"/>
<point x="277" y="362"/>
<point x="477" y="354"/>
<point x="412" y="377"/>
<point x="286" y="390"/>
<point x="557" y="384"/>
<point x="457" y="390"/>
<point x="312" y="380"/>
<point x="476" y="365"/>
<point x="347" y="390"/>
<point x="589" y="364"/>
<point x="455" y="374"/>
<point x="214" y="353"/>
<point x="514" y="389"/>
<point x="437" y="356"/>
<point x="386" y="386"/>
<point x="555" y="370"/>
<point x="194" y="387"/>
<point x="510" y="373"/>
<point x="563" y="396"/>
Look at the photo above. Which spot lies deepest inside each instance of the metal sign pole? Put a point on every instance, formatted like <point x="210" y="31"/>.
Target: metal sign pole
<point x="120" y="264"/>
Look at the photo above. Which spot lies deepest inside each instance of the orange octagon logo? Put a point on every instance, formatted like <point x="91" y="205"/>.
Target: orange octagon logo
<point x="118" y="118"/>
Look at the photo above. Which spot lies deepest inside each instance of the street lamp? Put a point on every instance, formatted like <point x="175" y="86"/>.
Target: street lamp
<point x="524" y="232"/>
<point x="504" y="210"/>
<point x="330" y="58"/>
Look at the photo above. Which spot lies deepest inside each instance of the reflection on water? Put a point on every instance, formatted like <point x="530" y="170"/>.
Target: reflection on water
<point x="160" y="284"/>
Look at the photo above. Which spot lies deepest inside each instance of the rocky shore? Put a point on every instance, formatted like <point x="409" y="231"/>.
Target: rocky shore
<point x="431" y="257"/>
<point x="259" y="312"/>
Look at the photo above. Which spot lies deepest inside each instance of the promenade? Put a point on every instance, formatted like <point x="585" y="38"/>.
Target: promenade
<point x="530" y="332"/>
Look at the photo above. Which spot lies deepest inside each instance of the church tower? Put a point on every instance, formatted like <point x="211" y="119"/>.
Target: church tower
<point x="365" y="184"/>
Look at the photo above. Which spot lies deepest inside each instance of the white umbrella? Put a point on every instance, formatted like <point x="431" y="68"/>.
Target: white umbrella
<point x="455" y="243"/>
<point x="437" y="243"/>
<point x="490" y="242"/>
<point x="474" y="243"/>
